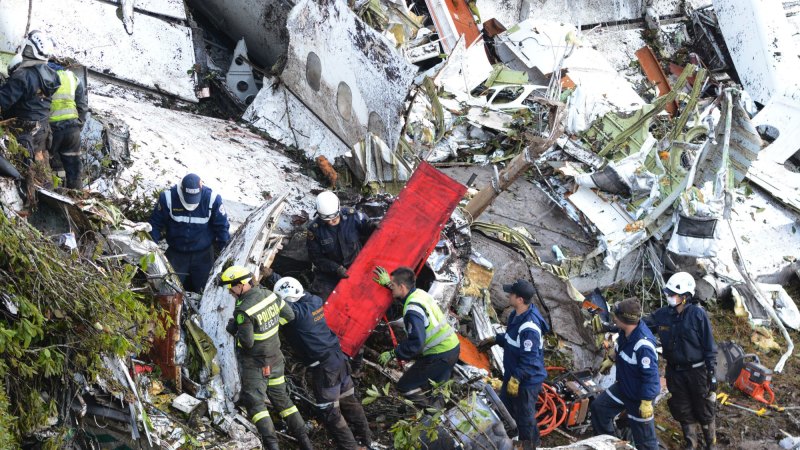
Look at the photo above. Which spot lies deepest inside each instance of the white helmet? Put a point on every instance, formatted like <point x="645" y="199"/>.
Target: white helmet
<point x="327" y="205"/>
<point x="680" y="283"/>
<point x="289" y="289"/>
<point x="38" y="45"/>
<point x="15" y="61"/>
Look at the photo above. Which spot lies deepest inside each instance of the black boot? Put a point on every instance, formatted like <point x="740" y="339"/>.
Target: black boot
<point x="353" y="412"/>
<point x="528" y="445"/>
<point x="269" y="439"/>
<point x="710" y="435"/>
<point x="689" y="436"/>
<point x="297" y="428"/>
<point x="270" y="443"/>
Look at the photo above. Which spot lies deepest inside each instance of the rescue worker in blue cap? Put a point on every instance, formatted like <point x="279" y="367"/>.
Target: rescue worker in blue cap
<point x="691" y="353"/>
<point x="432" y="343"/>
<point x="523" y="360"/>
<point x="318" y="348"/>
<point x="195" y="222"/>
<point x="637" y="383"/>
<point x="334" y="241"/>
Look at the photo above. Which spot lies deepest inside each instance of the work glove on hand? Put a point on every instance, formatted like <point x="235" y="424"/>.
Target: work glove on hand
<point x="381" y="276"/>
<point x="598" y="326"/>
<point x="494" y="382"/>
<point x="646" y="409"/>
<point x="231" y="327"/>
<point x="606" y="365"/>
<point x="512" y="388"/>
<point x="386" y="357"/>
<point x="341" y="272"/>
<point x="486" y="344"/>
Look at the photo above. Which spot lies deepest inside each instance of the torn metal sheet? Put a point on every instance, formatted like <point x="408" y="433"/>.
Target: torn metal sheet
<point x="464" y="69"/>
<point x="252" y="246"/>
<point x="157" y="56"/>
<point x="709" y="40"/>
<point x="539" y="47"/>
<point x="453" y="20"/>
<point x="584" y="12"/>
<point x="239" y="79"/>
<point x="760" y="43"/>
<point x="373" y="163"/>
<point x="365" y="95"/>
<point x="283" y="116"/>
<point x="771" y="169"/>
<point x="784" y="305"/>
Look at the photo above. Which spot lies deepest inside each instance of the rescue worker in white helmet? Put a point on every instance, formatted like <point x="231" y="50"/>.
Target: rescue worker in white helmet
<point x="318" y="348"/>
<point x="334" y="241"/>
<point x="26" y="97"/>
<point x="688" y="346"/>
<point x="254" y="326"/>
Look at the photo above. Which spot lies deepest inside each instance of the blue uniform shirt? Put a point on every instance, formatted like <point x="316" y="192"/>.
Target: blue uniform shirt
<point x="190" y="231"/>
<point x="332" y="246"/>
<point x="523" y="347"/>
<point x="637" y="364"/>
<point x="686" y="338"/>
<point x="308" y="333"/>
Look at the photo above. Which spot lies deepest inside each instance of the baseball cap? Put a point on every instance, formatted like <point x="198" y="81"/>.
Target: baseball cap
<point x="520" y="288"/>
<point x="191" y="189"/>
<point x="628" y="311"/>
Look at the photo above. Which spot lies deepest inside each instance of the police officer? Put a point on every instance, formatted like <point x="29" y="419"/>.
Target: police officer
<point x="254" y="326"/>
<point x="318" y="348"/>
<point x="67" y="116"/>
<point x="637" y="379"/>
<point x="195" y="221"/>
<point x="688" y="346"/>
<point x="523" y="360"/>
<point x="431" y="340"/>
<point x="26" y="97"/>
<point x="334" y="240"/>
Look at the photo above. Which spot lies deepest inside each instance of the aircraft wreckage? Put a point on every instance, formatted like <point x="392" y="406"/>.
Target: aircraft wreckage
<point x="497" y="139"/>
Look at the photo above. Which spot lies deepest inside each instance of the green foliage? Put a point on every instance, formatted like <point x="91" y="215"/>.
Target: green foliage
<point x="59" y="314"/>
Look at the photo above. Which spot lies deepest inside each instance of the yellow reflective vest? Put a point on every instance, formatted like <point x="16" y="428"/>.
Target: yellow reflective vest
<point x="63" y="106"/>
<point x="439" y="335"/>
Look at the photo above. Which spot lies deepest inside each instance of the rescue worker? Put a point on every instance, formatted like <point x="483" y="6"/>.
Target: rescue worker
<point x="26" y="97"/>
<point x="637" y="381"/>
<point x="318" y="349"/>
<point x="195" y="221"/>
<point x="254" y="326"/>
<point x="432" y="342"/>
<point x="523" y="360"/>
<point x="67" y="116"/>
<point x="691" y="353"/>
<point x="334" y="240"/>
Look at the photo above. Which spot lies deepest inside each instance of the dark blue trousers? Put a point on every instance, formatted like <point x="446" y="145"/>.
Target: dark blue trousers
<point x="523" y="409"/>
<point x="192" y="268"/>
<point x="609" y="404"/>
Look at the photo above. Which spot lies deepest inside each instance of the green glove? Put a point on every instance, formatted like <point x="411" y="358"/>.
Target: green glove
<point x="646" y="409"/>
<point x="386" y="357"/>
<point x="381" y="276"/>
<point x="512" y="388"/>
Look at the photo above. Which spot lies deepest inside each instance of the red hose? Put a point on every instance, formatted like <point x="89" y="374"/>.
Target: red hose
<point x="551" y="411"/>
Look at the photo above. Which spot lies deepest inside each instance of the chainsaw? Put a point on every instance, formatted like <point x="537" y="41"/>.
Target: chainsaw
<point x="754" y="380"/>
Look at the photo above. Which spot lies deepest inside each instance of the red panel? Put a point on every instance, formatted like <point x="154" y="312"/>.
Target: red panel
<point x="406" y="237"/>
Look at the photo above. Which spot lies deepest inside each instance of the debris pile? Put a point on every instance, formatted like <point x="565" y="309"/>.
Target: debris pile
<point x="627" y="154"/>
